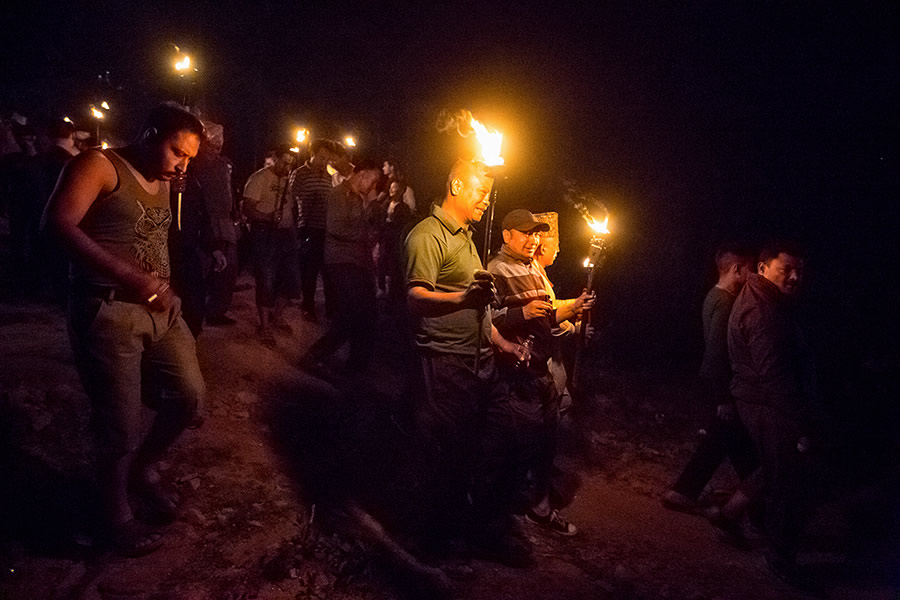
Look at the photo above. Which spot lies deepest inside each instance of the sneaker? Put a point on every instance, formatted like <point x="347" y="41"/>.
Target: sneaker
<point x="266" y="337"/>
<point x="553" y="521"/>
<point x="679" y="502"/>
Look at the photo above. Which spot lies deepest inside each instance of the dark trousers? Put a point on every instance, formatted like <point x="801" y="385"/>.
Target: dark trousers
<point x="724" y="439"/>
<point x="312" y="257"/>
<point x="221" y="284"/>
<point x="275" y="265"/>
<point x="786" y="475"/>
<point x="472" y="433"/>
<point x="354" y="319"/>
<point x="535" y="401"/>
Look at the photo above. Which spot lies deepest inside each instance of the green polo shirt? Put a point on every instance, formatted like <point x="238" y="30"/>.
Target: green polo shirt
<point x="441" y="257"/>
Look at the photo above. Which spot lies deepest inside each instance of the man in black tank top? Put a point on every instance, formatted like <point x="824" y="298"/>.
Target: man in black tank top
<point x="110" y="211"/>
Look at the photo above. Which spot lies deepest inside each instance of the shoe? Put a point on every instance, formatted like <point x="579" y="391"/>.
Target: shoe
<point x="553" y="521"/>
<point x="220" y="321"/>
<point x="679" y="502"/>
<point x="729" y="531"/>
<point x="266" y="337"/>
<point x="282" y="326"/>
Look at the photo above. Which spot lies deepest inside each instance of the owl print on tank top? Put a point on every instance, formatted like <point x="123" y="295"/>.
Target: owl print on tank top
<point x="150" y="248"/>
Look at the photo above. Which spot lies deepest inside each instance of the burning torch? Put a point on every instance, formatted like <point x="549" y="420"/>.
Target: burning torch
<point x="596" y="257"/>
<point x="490" y="143"/>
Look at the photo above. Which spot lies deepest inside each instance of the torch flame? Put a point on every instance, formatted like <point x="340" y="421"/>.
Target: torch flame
<point x="184" y="64"/>
<point x="587" y="263"/>
<point x="489" y="142"/>
<point x="350" y="141"/>
<point x="97" y="113"/>
<point x="302" y="135"/>
<point x="598" y="227"/>
<point x="104" y="105"/>
<point x="104" y="145"/>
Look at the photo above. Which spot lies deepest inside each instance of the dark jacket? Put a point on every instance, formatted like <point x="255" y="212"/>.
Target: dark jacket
<point x="769" y="359"/>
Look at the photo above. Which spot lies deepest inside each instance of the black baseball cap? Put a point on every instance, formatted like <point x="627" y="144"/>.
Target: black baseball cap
<point x="522" y="220"/>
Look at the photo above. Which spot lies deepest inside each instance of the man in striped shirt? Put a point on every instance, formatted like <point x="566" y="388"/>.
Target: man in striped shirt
<point x="526" y="312"/>
<point x="310" y="187"/>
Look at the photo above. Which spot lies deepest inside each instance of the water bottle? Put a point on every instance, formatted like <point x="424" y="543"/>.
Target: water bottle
<point x="528" y="344"/>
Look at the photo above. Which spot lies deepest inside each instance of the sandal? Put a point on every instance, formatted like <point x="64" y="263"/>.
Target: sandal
<point x="133" y="539"/>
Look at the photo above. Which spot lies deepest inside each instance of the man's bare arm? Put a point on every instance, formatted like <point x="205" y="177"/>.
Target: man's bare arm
<point x="428" y="303"/>
<point x="86" y="178"/>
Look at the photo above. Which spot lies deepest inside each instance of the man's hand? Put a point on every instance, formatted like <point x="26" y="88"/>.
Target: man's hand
<point x="503" y="345"/>
<point x="570" y="311"/>
<point x="479" y="294"/>
<point x="157" y="293"/>
<point x="220" y="261"/>
<point x="536" y="309"/>
<point x="725" y="412"/>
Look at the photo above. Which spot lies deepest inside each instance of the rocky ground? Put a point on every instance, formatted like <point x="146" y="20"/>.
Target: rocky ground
<point x="291" y="478"/>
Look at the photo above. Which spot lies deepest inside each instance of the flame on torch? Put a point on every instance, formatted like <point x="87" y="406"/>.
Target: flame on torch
<point x="465" y="124"/>
<point x="96" y="112"/>
<point x="302" y="134"/>
<point x="67" y="119"/>
<point x="183" y="63"/>
<point x="489" y="144"/>
<point x="349" y="141"/>
<point x="598" y="227"/>
<point x="104" y="105"/>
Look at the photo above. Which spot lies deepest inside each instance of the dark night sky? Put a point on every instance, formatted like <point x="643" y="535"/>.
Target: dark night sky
<point x="693" y="123"/>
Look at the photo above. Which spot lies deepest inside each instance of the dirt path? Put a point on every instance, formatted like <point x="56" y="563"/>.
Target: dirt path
<point x="247" y="530"/>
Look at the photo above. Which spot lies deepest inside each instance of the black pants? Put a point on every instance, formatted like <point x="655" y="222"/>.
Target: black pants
<point x="723" y="440"/>
<point x="472" y="433"/>
<point x="787" y="475"/>
<point x="354" y="319"/>
<point x="312" y="259"/>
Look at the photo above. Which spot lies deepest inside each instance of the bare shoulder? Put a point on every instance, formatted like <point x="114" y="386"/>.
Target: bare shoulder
<point x="92" y="166"/>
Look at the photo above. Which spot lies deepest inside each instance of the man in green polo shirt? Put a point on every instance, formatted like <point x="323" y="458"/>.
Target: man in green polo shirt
<point x="465" y="415"/>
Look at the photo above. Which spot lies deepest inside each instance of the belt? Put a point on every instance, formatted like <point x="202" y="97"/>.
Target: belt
<point x="105" y="292"/>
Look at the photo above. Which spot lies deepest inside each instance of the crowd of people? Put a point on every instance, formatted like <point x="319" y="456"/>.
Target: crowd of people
<point x="152" y="229"/>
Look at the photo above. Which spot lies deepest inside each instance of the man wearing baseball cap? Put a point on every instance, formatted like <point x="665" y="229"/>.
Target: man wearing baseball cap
<point x="526" y="315"/>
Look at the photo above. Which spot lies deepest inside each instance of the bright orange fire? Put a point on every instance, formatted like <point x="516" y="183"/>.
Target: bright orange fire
<point x="489" y="144"/>
<point x="184" y="64"/>
<point x="598" y="227"/>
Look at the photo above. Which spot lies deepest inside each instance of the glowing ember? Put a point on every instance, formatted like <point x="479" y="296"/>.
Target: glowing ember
<point x="489" y="142"/>
<point x="349" y="141"/>
<point x="302" y="134"/>
<point x="104" y="145"/>
<point x="96" y="112"/>
<point x="67" y="119"/>
<point x="104" y="105"/>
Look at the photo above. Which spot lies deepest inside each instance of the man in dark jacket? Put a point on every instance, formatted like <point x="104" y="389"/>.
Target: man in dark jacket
<point x="772" y="384"/>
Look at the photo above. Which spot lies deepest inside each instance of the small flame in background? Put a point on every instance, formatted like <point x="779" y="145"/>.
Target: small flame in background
<point x="104" y="105"/>
<point x="96" y="112"/>
<point x="489" y="142"/>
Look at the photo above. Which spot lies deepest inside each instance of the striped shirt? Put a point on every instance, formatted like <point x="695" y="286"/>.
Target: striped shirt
<point x="310" y="190"/>
<point x="518" y="282"/>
